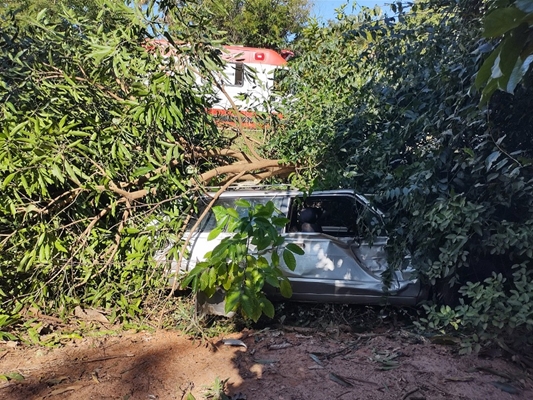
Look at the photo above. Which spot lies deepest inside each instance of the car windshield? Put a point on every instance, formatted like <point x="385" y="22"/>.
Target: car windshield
<point x="209" y="222"/>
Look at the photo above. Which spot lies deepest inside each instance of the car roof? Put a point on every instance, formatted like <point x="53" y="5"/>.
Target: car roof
<point x="259" y="192"/>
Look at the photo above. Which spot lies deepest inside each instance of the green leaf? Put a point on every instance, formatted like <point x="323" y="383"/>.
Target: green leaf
<point x="59" y="246"/>
<point x="261" y="242"/>
<point x="70" y="171"/>
<point x="250" y="303"/>
<point x="509" y="63"/>
<point x="247" y="306"/>
<point x="100" y="52"/>
<point x="233" y="299"/>
<point x="220" y="213"/>
<point x="8" y="179"/>
<point x="295" y="249"/>
<point x="223" y="222"/>
<point x="34" y="336"/>
<point x="485" y="70"/>
<point x="267" y="307"/>
<point x="220" y="250"/>
<point x="56" y="171"/>
<point x="519" y="70"/>
<point x="489" y="89"/>
<point x="272" y="280"/>
<point x="275" y="258"/>
<point x="469" y="152"/>
<point x="290" y="260"/>
<point x="15" y="376"/>
<point x="285" y="288"/>
<point x="242" y="203"/>
<point x="198" y="268"/>
<point x="491" y="158"/>
<point x="232" y="213"/>
<point x="280" y="221"/>
<point x="204" y="280"/>
<point x="214" y="233"/>
<point x="502" y="20"/>
<point x="270" y="207"/>
<point x="212" y="277"/>
<point x="19" y="127"/>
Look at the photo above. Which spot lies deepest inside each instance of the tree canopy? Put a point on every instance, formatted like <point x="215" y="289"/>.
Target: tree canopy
<point x="390" y="108"/>
<point x="24" y="9"/>
<point x="260" y="23"/>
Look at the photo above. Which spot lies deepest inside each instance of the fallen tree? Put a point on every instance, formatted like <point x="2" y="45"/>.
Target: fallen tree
<point x="103" y="154"/>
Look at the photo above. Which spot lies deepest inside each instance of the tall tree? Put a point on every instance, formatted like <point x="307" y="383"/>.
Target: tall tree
<point x="260" y="23"/>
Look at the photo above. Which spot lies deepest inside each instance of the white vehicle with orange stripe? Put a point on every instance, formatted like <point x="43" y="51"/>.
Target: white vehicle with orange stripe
<point x="248" y="79"/>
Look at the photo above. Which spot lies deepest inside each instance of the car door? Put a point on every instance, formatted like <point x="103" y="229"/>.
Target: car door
<point x="344" y="253"/>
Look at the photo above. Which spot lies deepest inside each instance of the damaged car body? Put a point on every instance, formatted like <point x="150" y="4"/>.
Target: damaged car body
<point x="343" y="243"/>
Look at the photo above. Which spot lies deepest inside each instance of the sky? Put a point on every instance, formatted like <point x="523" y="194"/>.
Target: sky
<point x="324" y="10"/>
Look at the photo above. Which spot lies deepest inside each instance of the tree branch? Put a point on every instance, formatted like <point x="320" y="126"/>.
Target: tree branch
<point x="237" y="168"/>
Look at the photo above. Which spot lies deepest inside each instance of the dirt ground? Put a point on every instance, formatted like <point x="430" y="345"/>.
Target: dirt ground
<point x="278" y="363"/>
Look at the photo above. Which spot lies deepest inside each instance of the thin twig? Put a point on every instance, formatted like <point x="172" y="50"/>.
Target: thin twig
<point x="410" y="393"/>
<point x="107" y="358"/>
<point x="342" y="394"/>
<point x="494" y="372"/>
<point x="84" y="236"/>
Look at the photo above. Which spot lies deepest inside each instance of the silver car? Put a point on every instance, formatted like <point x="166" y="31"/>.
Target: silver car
<point x="338" y="265"/>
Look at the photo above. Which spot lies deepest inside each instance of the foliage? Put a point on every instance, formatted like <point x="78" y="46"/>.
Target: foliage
<point x="218" y="390"/>
<point x="7" y="320"/>
<point x="488" y="307"/>
<point x="97" y="141"/>
<point x="105" y="142"/>
<point x="260" y="23"/>
<point x="321" y="81"/>
<point x="244" y="261"/>
<point x="391" y="109"/>
<point x="510" y="60"/>
<point x="24" y="9"/>
<point x="12" y="376"/>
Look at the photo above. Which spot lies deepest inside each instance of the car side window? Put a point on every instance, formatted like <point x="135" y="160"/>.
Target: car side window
<point x="338" y="216"/>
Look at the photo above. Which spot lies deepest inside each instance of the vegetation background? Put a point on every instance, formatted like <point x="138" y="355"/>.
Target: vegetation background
<point x="429" y="110"/>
